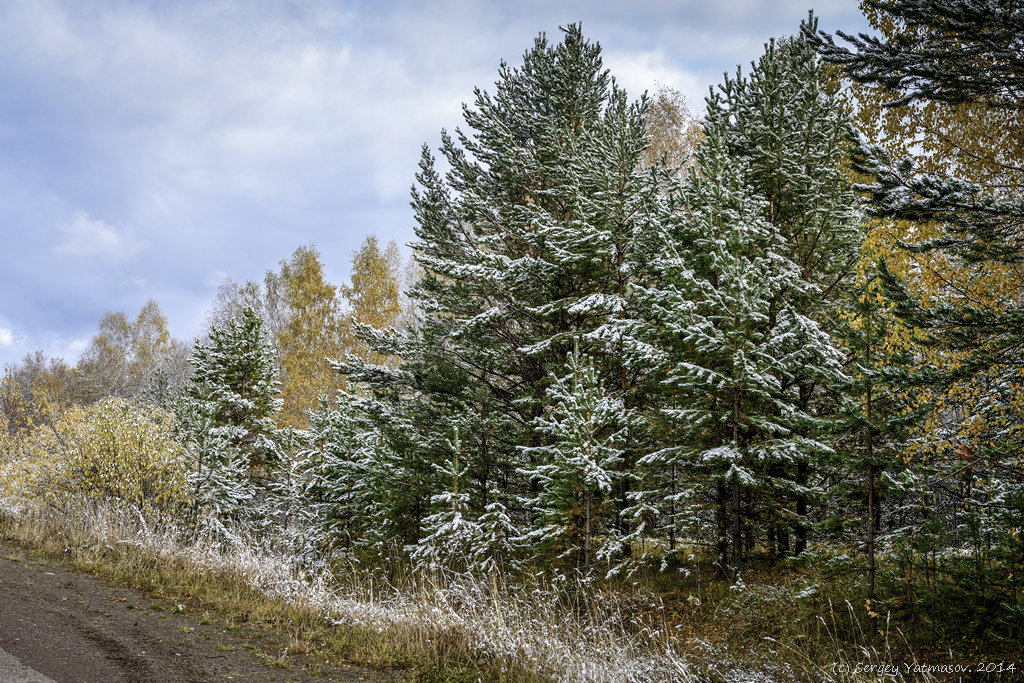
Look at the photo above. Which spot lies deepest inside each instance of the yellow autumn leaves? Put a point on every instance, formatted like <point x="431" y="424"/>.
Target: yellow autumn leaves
<point x="319" y="328"/>
<point x="115" y="450"/>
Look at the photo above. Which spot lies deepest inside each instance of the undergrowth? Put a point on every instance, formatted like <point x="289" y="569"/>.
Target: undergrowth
<point x="458" y="628"/>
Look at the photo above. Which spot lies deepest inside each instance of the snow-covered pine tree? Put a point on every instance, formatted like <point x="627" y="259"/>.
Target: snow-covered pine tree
<point x="403" y="407"/>
<point x="450" y="535"/>
<point x="348" y="480"/>
<point x="735" y="419"/>
<point x="586" y="431"/>
<point x="218" y="474"/>
<point x="536" y="237"/>
<point x="291" y="522"/>
<point x="227" y="414"/>
<point x="497" y="549"/>
<point x="790" y="127"/>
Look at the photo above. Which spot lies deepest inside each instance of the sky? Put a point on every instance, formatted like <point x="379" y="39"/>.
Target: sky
<point x="151" y="148"/>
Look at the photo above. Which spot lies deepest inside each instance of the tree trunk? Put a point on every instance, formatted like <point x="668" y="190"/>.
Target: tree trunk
<point x="722" y="497"/>
<point x="672" y="514"/>
<point x="800" y="527"/>
<point x="586" y="535"/>
<point x="737" y="537"/>
<point x="871" y="531"/>
<point x="870" y="452"/>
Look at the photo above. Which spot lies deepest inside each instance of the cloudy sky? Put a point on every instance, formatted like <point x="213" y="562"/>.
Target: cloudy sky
<point x="150" y="148"/>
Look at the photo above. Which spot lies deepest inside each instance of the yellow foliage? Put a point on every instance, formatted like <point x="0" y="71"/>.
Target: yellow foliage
<point x="15" y="411"/>
<point x="114" y="450"/>
<point x="374" y="292"/>
<point x="316" y="333"/>
<point x="123" y="354"/>
<point x="36" y="392"/>
<point x="962" y="413"/>
<point x="673" y="131"/>
<point x="981" y="144"/>
<point x="374" y="295"/>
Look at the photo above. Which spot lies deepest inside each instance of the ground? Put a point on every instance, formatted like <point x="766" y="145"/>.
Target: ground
<point x="73" y="627"/>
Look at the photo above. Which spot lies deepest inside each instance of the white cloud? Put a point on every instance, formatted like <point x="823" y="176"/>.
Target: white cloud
<point x="206" y="138"/>
<point x="71" y="350"/>
<point x="214" y="278"/>
<point x="640" y="71"/>
<point x="6" y="337"/>
<point x="92" y="238"/>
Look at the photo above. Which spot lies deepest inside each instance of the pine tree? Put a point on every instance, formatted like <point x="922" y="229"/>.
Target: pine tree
<point x="227" y="415"/>
<point x="733" y="345"/>
<point x="785" y="135"/>
<point x="877" y="417"/>
<point x="346" y="479"/>
<point x="498" y="546"/>
<point x="537" y="238"/>
<point x="790" y="126"/>
<point x="586" y="431"/>
<point x="218" y="473"/>
<point x="952" y="52"/>
<point x="450" y="535"/>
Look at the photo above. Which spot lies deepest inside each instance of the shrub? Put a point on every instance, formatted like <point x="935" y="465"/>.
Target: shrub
<point x="114" y="450"/>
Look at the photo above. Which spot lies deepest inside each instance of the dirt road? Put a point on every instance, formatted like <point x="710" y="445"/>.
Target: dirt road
<point x="72" y="628"/>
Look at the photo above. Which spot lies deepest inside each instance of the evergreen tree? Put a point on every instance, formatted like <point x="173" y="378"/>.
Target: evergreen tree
<point x="227" y="415"/>
<point x="733" y="345"/>
<point x="218" y="474"/>
<point x="790" y="127"/>
<point x="537" y="238"/>
<point x="877" y="417"/>
<point x="449" y="533"/>
<point x="347" y="481"/>
<point x="952" y="52"/>
<point x="949" y="53"/>
<point x="784" y="138"/>
<point x="585" y="427"/>
<point x="498" y="545"/>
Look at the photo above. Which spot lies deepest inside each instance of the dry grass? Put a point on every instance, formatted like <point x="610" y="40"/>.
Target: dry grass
<point x="440" y="628"/>
<point x="237" y="591"/>
<point x="782" y="629"/>
<point x="455" y="628"/>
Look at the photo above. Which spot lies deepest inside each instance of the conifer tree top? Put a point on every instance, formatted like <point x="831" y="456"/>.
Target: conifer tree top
<point x="950" y="51"/>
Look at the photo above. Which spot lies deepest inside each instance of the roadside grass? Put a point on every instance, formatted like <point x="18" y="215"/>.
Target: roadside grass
<point x="785" y="623"/>
<point x="441" y="628"/>
<point x="780" y="625"/>
<point x="226" y="598"/>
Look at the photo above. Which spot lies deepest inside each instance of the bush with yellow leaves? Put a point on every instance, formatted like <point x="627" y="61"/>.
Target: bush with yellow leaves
<point x="115" y="450"/>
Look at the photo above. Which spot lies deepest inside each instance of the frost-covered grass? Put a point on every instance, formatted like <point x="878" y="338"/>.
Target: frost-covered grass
<point x="455" y="627"/>
<point x="453" y="623"/>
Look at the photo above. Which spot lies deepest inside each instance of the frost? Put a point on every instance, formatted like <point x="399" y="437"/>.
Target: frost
<point x="808" y="592"/>
<point x="534" y="629"/>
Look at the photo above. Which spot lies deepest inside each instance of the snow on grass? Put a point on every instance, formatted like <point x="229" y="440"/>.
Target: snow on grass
<point x="589" y="637"/>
